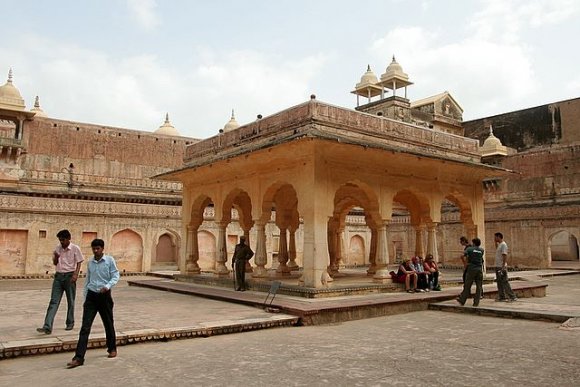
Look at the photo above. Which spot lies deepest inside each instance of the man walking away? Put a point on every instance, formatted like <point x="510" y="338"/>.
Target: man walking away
<point x="242" y="254"/>
<point x="67" y="258"/>
<point x="102" y="275"/>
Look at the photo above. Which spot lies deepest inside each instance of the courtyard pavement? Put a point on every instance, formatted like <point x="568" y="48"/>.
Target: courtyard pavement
<point x="412" y="349"/>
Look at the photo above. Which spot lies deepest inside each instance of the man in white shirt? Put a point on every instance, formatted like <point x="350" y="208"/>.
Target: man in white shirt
<point x="504" y="289"/>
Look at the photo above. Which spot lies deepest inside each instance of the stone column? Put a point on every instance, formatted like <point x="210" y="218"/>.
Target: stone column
<point x="419" y="249"/>
<point x="332" y="266"/>
<point x="373" y="253"/>
<point x="222" y="253"/>
<point x="292" y="265"/>
<point x="283" y="268"/>
<point x="432" y="241"/>
<point x="192" y="266"/>
<point x="249" y="268"/>
<point x="340" y="251"/>
<point x="261" y="256"/>
<point x="382" y="273"/>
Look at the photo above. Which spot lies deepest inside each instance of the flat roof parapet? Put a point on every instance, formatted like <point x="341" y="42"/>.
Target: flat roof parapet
<point x="317" y="117"/>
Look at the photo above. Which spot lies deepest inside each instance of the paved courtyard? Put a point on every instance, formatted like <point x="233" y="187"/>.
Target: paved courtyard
<point x="421" y="348"/>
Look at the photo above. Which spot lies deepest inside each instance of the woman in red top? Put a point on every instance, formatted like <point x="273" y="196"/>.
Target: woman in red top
<point x="407" y="275"/>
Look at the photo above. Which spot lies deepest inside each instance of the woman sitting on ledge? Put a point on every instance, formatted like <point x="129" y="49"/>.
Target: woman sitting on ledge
<point x="433" y="270"/>
<point x="406" y="275"/>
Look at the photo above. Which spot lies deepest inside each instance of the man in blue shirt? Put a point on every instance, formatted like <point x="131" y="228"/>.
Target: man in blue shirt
<point x="102" y="275"/>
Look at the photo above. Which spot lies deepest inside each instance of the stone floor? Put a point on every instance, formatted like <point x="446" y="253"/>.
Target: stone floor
<point x="413" y="349"/>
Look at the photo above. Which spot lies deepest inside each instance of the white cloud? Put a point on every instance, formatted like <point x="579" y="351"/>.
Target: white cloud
<point x="135" y="92"/>
<point x="143" y="11"/>
<point x="505" y="20"/>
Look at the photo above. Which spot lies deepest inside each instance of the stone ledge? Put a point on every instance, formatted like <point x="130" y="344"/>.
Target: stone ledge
<point x="12" y="349"/>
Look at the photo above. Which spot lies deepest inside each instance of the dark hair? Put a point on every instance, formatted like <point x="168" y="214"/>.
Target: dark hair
<point x="463" y="239"/>
<point x="63" y="234"/>
<point x="476" y="241"/>
<point x="97" y="243"/>
<point x="499" y="235"/>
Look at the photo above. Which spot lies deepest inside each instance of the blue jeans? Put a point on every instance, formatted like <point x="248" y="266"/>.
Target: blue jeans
<point x="61" y="284"/>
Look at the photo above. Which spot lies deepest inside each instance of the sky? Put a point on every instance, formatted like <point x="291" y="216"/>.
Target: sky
<point x="125" y="63"/>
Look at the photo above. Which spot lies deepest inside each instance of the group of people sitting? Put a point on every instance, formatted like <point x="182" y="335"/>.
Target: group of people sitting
<point x="418" y="275"/>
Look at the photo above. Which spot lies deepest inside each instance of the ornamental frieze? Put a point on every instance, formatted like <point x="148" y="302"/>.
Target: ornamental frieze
<point x="49" y="205"/>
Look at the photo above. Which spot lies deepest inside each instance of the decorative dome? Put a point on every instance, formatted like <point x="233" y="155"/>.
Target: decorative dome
<point x="231" y="124"/>
<point x="367" y="87"/>
<point x="368" y="78"/>
<point x="36" y="109"/>
<point x="492" y="146"/>
<point x="394" y="76"/>
<point x="167" y="128"/>
<point x="10" y="97"/>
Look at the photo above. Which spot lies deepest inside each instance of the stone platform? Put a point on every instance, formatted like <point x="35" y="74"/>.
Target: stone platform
<point x="336" y="309"/>
<point x="523" y="310"/>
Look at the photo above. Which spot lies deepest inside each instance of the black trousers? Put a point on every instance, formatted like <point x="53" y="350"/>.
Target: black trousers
<point x="101" y="303"/>
<point x="240" y="268"/>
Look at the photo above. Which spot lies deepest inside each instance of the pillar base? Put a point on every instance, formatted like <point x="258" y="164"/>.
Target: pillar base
<point x="292" y="266"/>
<point x="260" y="272"/>
<point x="192" y="268"/>
<point x="222" y="270"/>
<point x="382" y="276"/>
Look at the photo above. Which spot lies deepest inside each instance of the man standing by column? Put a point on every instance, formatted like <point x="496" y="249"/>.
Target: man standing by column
<point x="67" y="258"/>
<point x="102" y="275"/>
<point x="504" y="289"/>
<point x="242" y="254"/>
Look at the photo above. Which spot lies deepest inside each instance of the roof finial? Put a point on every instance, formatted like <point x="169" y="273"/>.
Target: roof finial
<point x="37" y="102"/>
<point x="233" y="117"/>
<point x="368" y="67"/>
<point x="166" y="118"/>
<point x="10" y="75"/>
<point x="394" y="60"/>
<point x="490" y="130"/>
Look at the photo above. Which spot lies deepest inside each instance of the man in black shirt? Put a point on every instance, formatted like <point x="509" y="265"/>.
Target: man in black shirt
<point x="474" y="273"/>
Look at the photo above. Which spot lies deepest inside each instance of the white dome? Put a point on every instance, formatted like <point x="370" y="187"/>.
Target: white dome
<point x="167" y="129"/>
<point x="231" y="124"/>
<point x="10" y="97"/>
<point x="36" y="109"/>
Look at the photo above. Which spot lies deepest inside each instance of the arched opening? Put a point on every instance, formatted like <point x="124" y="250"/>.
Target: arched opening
<point x="282" y="221"/>
<point x="166" y="253"/>
<point x="127" y="249"/>
<point x="456" y="221"/>
<point x="564" y="247"/>
<point x="356" y="252"/>
<point x="355" y="214"/>
<point x="207" y="250"/>
<point x="410" y="221"/>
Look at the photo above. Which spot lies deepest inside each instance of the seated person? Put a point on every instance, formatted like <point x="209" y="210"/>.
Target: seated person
<point x="431" y="267"/>
<point x="406" y="275"/>
<point x="422" y="275"/>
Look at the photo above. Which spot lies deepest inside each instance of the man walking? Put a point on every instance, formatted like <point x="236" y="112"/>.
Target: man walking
<point x="474" y="273"/>
<point x="242" y="254"/>
<point x="67" y="258"/>
<point x="102" y="275"/>
<point x="504" y="289"/>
